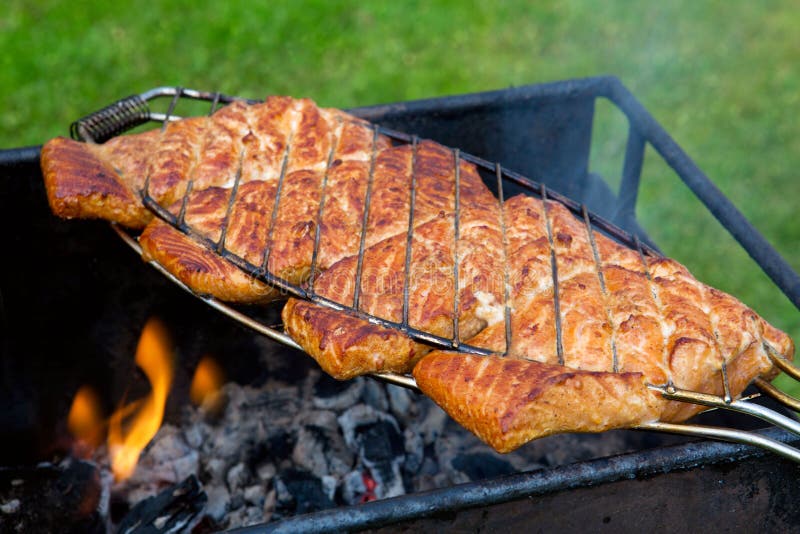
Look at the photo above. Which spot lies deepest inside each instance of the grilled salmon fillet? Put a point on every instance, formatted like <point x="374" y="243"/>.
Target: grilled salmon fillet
<point x="623" y="321"/>
<point x="249" y="179"/>
<point x="410" y="241"/>
<point x="424" y="273"/>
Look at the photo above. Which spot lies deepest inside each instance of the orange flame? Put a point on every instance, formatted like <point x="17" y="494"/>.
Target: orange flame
<point x="207" y="381"/>
<point x="144" y="416"/>
<point x="85" y="421"/>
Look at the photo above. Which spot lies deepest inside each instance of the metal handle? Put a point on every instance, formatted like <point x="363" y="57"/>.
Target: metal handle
<point x="111" y="120"/>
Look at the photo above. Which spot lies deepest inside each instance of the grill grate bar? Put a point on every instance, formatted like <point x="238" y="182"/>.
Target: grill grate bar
<point x="506" y="276"/>
<point x="410" y="232"/>
<point x="363" y="240"/>
<point x="554" y="274"/>
<point x="276" y="205"/>
<point x="456" y="236"/>
<point x="229" y="208"/>
<point x="602" y="279"/>
<point x="312" y="277"/>
<point x="659" y="306"/>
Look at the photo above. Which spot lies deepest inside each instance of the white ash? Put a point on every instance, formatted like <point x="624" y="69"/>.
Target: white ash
<point x="284" y="449"/>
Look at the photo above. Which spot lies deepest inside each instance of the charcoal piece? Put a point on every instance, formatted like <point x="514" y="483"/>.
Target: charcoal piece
<point x="245" y="516"/>
<point x="265" y="471"/>
<point x="50" y="498"/>
<point x="481" y="465"/>
<point x="214" y="469"/>
<point x="402" y="403"/>
<point x="218" y="499"/>
<point x="331" y="394"/>
<point x="280" y="443"/>
<point x="433" y="423"/>
<point x="176" y="509"/>
<point x="414" y="451"/>
<point x="167" y="460"/>
<point x="354" y="487"/>
<point x="381" y="442"/>
<point x="9" y="508"/>
<point x="374" y="395"/>
<point x="237" y="477"/>
<point x="254" y="495"/>
<point x="300" y="492"/>
<point x="380" y="445"/>
<point x="320" y="448"/>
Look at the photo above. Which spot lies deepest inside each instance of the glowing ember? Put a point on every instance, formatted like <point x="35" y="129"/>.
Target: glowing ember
<point x="85" y="421"/>
<point x="206" y="382"/>
<point x="142" y="419"/>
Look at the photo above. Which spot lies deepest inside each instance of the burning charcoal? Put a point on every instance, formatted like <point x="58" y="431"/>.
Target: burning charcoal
<point x="415" y="451"/>
<point x="237" y="477"/>
<point x="464" y="459"/>
<point x="380" y="446"/>
<point x="265" y="471"/>
<point x="10" y="507"/>
<point x="429" y="476"/>
<point x="447" y="447"/>
<point x="329" y="484"/>
<point x="300" y="492"/>
<point x="402" y="403"/>
<point x="245" y="517"/>
<point x="331" y="394"/>
<point x="269" y="504"/>
<point x="215" y="469"/>
<point x="568" y="448"/>
<point x="49" y="498"/>
<point x="320" y="448"/>
<point x="217" y="505"/>
<point x="280" y="443"/>
<point x="167" y="460"/>
<point x="196" y="434"/>
<point x="176" y="509"/>
<point x="481" y="465"/>
<point x="236" y="502"/>
<point x="432" y="425"/>
<point x="374" y="395"/>
<point x="354" y="487"/>
<point x="254" y="495"/>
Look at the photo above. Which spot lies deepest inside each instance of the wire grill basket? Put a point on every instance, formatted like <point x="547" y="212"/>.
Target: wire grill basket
<point x="136" y="110"/>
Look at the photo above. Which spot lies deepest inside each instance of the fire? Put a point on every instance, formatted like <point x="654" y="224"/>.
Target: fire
<point x="206" y="382"/>
<point x="133" y="425"/>
<point x="154" y="356"/>
<point x="85" y="420"/>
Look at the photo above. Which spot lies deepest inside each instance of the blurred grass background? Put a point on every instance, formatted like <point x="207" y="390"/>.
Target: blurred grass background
<point x="722" y="77"/>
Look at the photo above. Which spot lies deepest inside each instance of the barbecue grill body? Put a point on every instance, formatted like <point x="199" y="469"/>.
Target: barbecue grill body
<point x="73" y="303"/>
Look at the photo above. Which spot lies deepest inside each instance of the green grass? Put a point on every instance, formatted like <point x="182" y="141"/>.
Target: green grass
<point x="722" y="77"/>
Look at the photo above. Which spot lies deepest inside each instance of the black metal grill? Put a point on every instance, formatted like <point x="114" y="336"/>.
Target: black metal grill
<point x="558" y="117"/>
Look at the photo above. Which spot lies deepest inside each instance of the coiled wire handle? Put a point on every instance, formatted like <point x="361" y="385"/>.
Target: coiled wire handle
<point x="114" y="119"/>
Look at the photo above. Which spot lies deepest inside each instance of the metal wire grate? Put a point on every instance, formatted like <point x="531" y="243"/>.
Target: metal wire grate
<point x="135" y="110"/>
